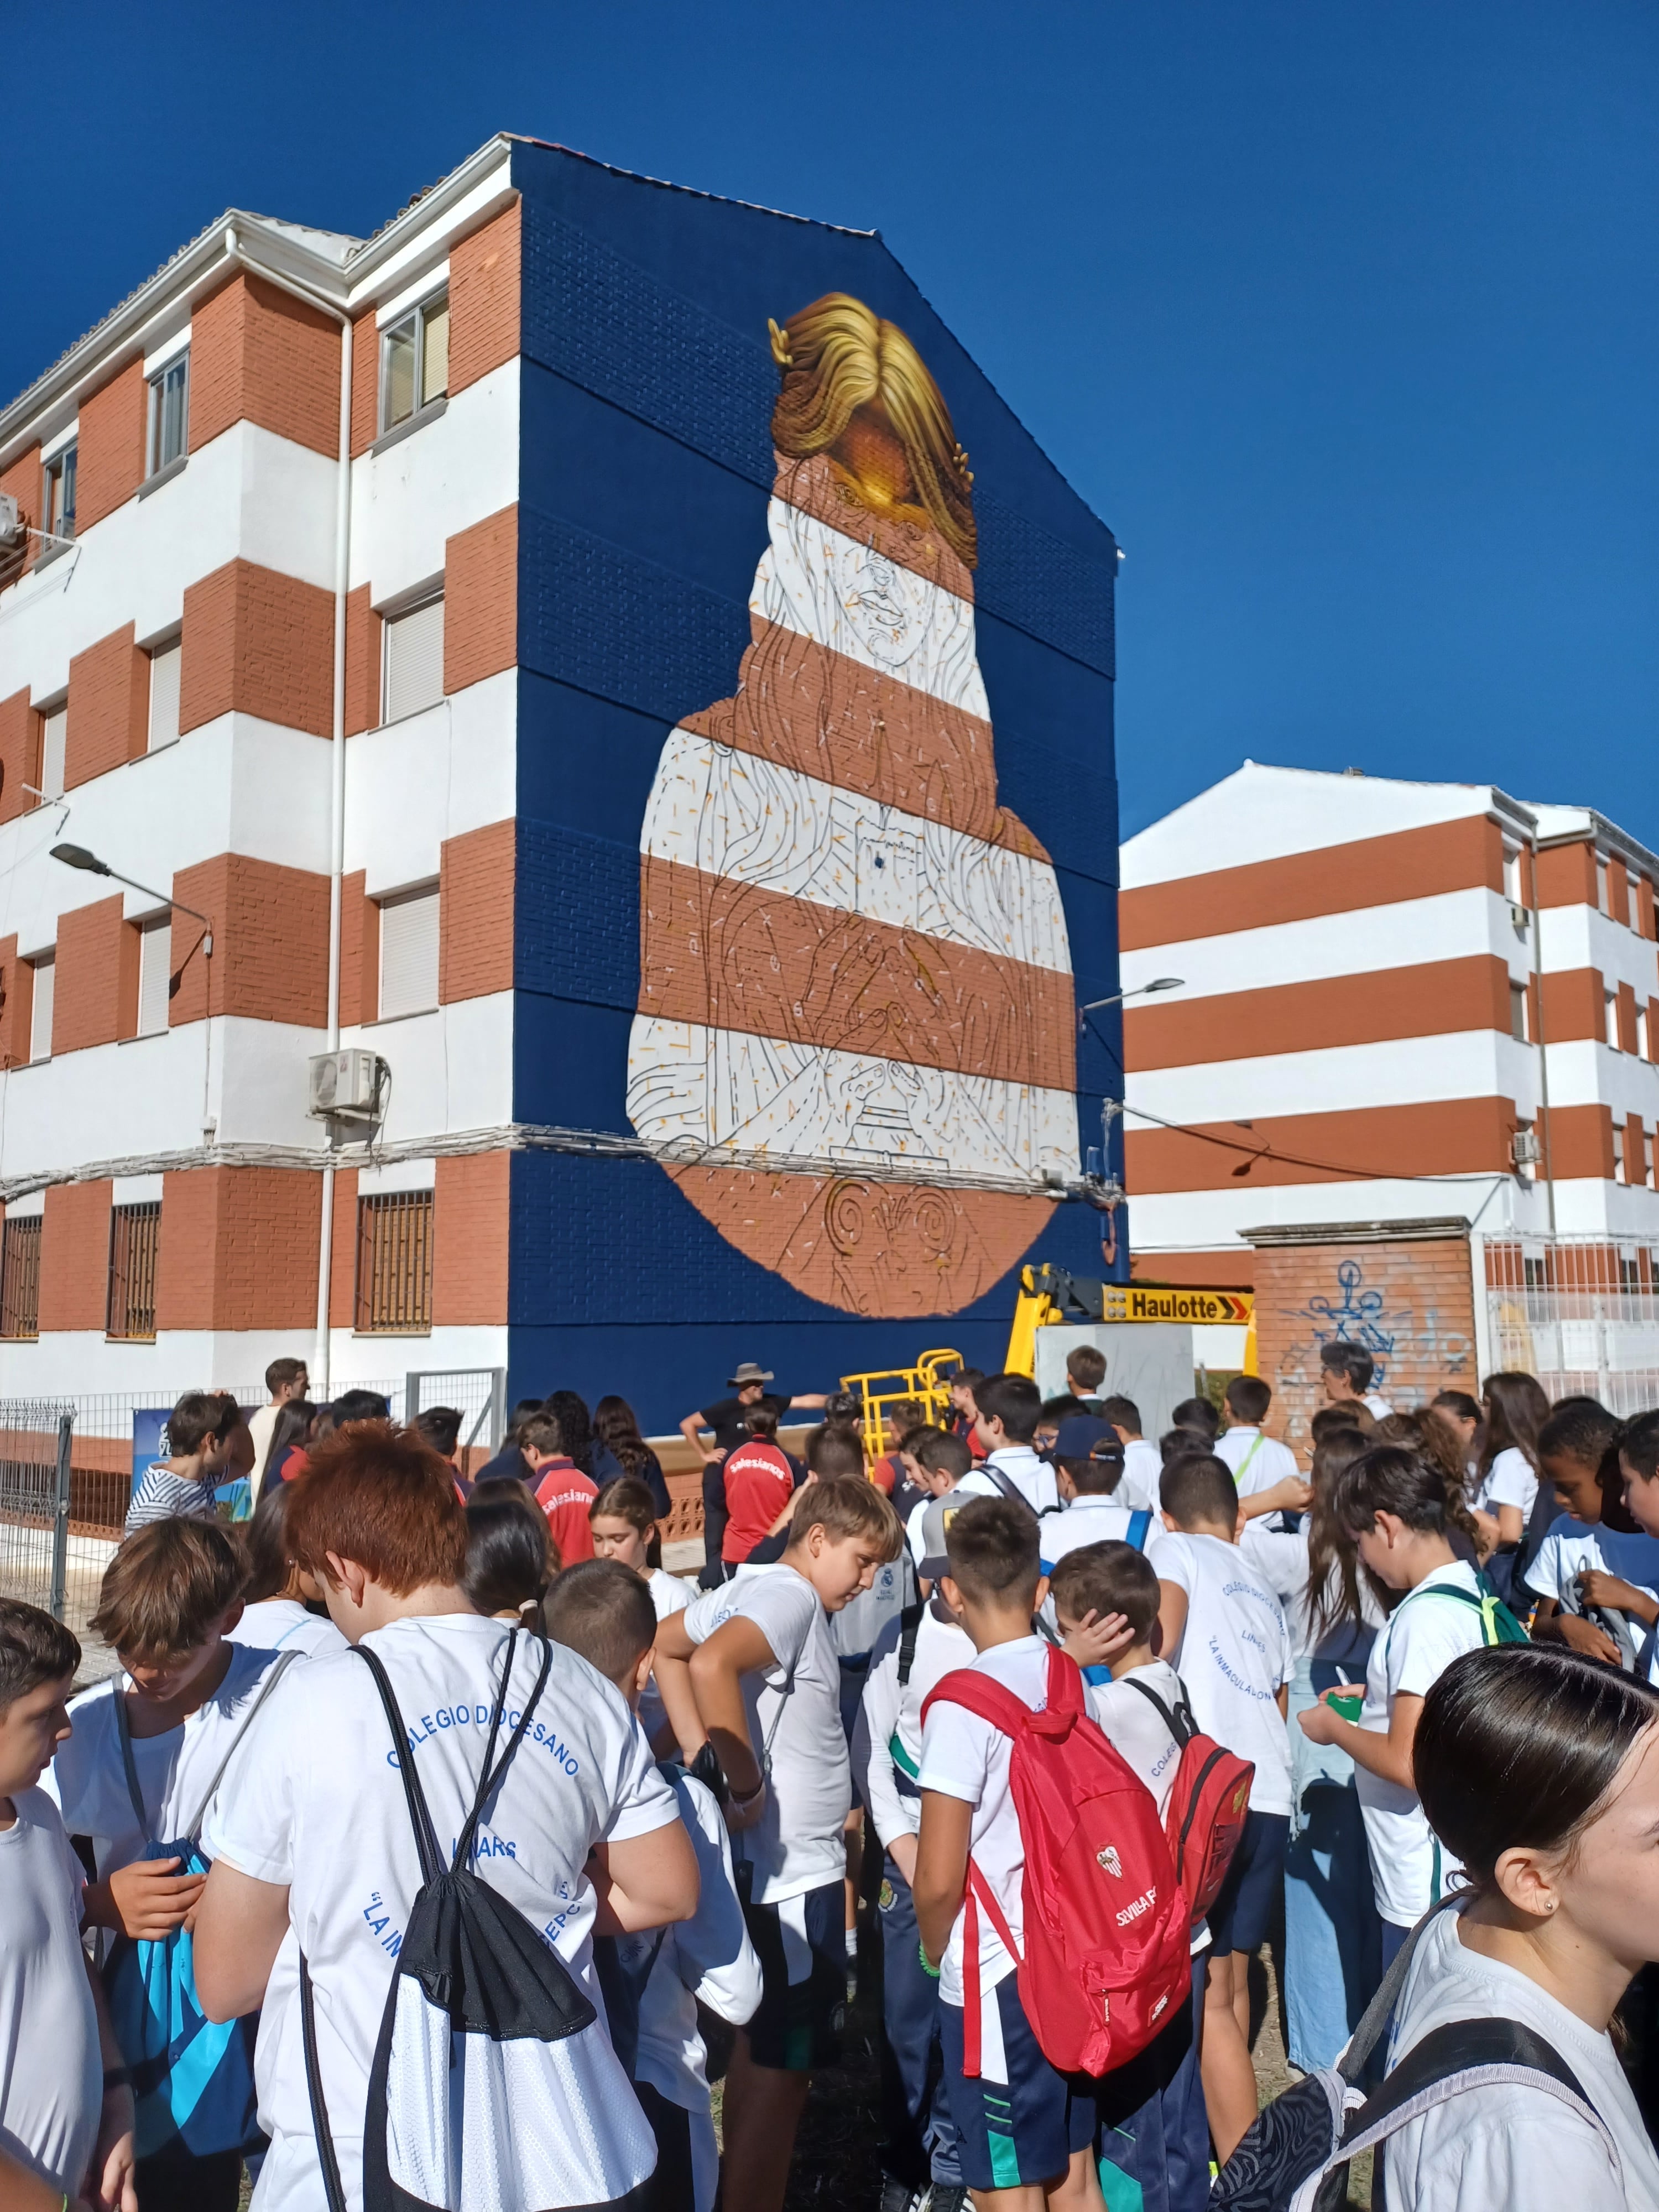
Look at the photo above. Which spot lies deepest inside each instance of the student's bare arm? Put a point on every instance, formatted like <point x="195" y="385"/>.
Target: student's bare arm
<point x="810" y="1398"/>
<point x="20" y="2190"/>
<point x="110" y="2174"/>
<point x="240" y="1926"/>
<point x="1597" y="1588"/>
<point x="1291" y="1495"/>
<point x="147" y="1899"/>
<point x="1552" y="1625"/>
<point x="1282" y="1699"/>
<point x="1389" y="1757"/>
<point x="718" y="1666"/>
<point x="645" y="1882"/>
<point x="671" y="1669"/>
<point x="1171" y="1618"/>
<point x="941" y="1868"/>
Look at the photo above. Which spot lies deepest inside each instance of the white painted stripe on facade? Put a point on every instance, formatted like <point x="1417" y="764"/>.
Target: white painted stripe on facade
<point x="1212" y="1220"/>
<point x="731" y="813"/>
<point x="451" y="472"/>
<point x="823" y="585"/>
<point x="807" y="1105"/>
<point x="1580" y="937"/>
<point x="1448" y="925"/>
<point x="1339" y="1078"/>
<point x="1582" y="1073"/>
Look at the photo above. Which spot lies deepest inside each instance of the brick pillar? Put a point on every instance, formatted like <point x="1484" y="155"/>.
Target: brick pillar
<point x="1404" y="1290"/>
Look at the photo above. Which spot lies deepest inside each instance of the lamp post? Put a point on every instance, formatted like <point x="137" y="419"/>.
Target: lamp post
<point x="77" y="856"/>
<point x="1140" y="990"/>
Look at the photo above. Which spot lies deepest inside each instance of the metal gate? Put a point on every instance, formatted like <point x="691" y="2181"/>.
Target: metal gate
<point x="1581" y="1313"/>
<point x="48" y="1558"/>
<point x="477" y="1394"/>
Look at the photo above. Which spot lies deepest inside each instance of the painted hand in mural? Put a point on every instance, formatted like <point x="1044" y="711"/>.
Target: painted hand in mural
<point x="855" y="971"/>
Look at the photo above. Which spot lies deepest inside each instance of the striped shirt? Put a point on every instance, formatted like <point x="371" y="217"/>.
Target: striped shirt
<point x="161" y="1495"/>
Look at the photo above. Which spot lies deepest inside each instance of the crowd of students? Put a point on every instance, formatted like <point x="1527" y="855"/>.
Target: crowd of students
<point x="433" y="1838"/>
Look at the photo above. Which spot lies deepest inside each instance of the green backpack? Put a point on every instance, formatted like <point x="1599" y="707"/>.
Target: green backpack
<point x="1497" y="1624"/>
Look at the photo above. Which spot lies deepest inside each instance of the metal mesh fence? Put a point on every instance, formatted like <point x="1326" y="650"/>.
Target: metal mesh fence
<point x="1582" y="1313"/>
<point x="54" y="1542"/>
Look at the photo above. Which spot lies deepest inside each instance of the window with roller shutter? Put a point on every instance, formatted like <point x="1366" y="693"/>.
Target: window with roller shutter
<point x="409" y="954"/>
<point x="164" y="666"/>
<point x="413" y="675"/>
<point x="155" y="975"/>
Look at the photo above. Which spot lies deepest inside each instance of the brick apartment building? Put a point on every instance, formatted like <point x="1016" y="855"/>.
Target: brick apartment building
<point x="364" y="672"/>
<point x="1408" y="1092"/>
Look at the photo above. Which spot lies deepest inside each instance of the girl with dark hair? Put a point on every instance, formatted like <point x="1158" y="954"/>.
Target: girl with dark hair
<point x="618" y="1432"/>
<point x="1539" y="1770"/>
<point x="283" y="1606"/>
<point x="289" y="1435"/>
<point x="511" y="1557"/>
<point x="570" y="1411"/>
<point x="1506" y="1473"/>
<point x="623" y="1519"/>
<point x="1392" y="1505"/>
<point x="1333" y="1946"/>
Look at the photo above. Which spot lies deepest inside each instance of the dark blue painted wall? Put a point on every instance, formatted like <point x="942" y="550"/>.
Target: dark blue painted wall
<point x="646" y="466"/>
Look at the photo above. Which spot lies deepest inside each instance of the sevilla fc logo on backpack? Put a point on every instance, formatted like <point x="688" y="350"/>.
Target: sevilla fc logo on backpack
<point x="1109" y="1859"/>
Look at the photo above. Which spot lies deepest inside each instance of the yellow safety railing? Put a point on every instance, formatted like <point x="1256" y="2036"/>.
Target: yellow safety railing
<point x="928" y="1384"/>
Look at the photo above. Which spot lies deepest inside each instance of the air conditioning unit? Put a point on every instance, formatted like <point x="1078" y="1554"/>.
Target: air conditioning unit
<point x="1525" y="1149"/>
<point x="12" y="533"/>
<point x="345" y="1086"/>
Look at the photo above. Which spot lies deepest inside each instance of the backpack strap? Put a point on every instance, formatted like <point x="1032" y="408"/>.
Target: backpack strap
<point x="490" y="1779"/>
<point x="1380" y="2011"/>
<point x="420" y="1818"/>
<point x="267" y="1685"/>
<point x="128" y="1765"/>
<point x="909" y="1629"/>
<point x="1239" y="1472"/>
<point x="1141" y="1523"/>
<point x="1465" y="2057"/>
<point x="333" y="2191"/>
<point x="979" y="1694"/>
<point x="1010" y="1488"/>
<point x="1178" y="1718"/>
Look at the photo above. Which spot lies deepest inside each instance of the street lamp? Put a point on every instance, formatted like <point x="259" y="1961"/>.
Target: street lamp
<point x="77" y="856"/>
<point x="1140" y="990"/>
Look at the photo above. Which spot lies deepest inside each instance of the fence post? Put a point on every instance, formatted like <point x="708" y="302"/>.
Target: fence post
<point x="497" y="1408"/>
<point x="411" y="1398"/>
<point x="61" y="1519"/>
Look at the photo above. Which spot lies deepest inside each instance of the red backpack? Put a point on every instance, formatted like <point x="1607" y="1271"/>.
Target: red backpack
<point x="1209" y="1799"/>
<point x="1106" y="1924"/>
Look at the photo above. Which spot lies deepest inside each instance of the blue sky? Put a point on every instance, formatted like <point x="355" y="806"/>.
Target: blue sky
<point x="1343" y="315"/>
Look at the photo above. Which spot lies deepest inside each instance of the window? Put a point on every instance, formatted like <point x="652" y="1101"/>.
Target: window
<point x="135" y="1238"/>
<point x="164" y="664"/>
<point x="413" y="671"/>
<point x="155" y="975"/>
<point x="1602" y="906"/>
<point x="414" y="361"/>
<point x="1629" y="1275"/>
<point x="58" y="520"/>
<point x="1610" y="1017"/>
<point x="1518" y="1029"/>
<point x="1512" y="874"/>
<point x="19" y="1276"/>
<point x="169" y="413"/>
<point x="54" y="738"/>
<point x="408" y="955"/>
<point x="1619" y="1151"/>
<point x="1642" y="1033"/>
<point x="45" y="974"/>
<point x="394" y="1262"/>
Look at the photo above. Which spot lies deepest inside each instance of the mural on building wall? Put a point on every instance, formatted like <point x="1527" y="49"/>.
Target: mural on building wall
<point x="854" y="972"/>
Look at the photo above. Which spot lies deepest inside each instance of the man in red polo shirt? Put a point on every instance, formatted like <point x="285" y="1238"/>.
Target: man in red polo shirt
<point x="563" y="1490"/>
<point x="759" y="1483"/>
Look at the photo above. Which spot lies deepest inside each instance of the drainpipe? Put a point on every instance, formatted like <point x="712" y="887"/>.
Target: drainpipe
<point x="319" y="1369"/>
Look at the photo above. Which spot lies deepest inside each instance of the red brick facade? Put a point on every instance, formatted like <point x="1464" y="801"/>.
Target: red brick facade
<point x="1409" y="1300"/>
<point x="108" y="708"/>
<point x="343" y="1255"/>
<point x="16" y="996"/>
<point x="364" y="383"/>
<point x="257" y="642"/>
<point x="362" y="664"/>
<point x="95" y="998"/>
<point x="258" y="354"/>
<point x="239" y="1248"/>
<point x="75" y="1256"/>
<point x="114" y="423"/>
<point x="470" y="1209"/>
<point x="483" y="298"/>
<point x="360" y="953"/>
<point x="475" y="913"/>
<point x="481" y="600"/>
<point x="270" y="942"/>
<point x="20" y="755"/>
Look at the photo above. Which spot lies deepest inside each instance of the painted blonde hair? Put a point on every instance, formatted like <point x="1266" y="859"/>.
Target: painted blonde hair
<point x="838" y="357"/>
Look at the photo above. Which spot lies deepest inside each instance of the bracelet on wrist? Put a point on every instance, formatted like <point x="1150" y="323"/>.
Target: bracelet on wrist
<point x="928" y="1965"/>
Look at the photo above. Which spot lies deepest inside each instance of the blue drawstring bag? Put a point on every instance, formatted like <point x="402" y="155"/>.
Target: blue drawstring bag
<point x="193" y="2078"/>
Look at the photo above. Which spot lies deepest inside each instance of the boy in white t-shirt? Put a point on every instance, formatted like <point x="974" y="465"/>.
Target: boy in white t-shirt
<point x="1264" y="1471"/>
<point x="945" y="1465"/>
<point x="912" y="1653"/>
<point x="1024" y="2131"/>
<point x="1008" y="1408"/>
<point x="1089" y="1473"/>
<point x="311" y="1839"/>
<point x="1142" y="1462"/>
<point x="765" y="1683"/>
<point x="66" y="2117"/>
<point x="1393" y="1507"/>
<point x="1154" y="2130"/>
<point x="1228" y="1631"/>
<point x="659" y="1976"/>
<point x="186" y="1695"/>
<point x="1590" y="1579"/>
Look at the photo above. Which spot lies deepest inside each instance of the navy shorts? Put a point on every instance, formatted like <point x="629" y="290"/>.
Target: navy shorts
<point x="801" y="1944"/>
<point x="1249" y="1901"/>
<point x="1018" y="2121"/>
